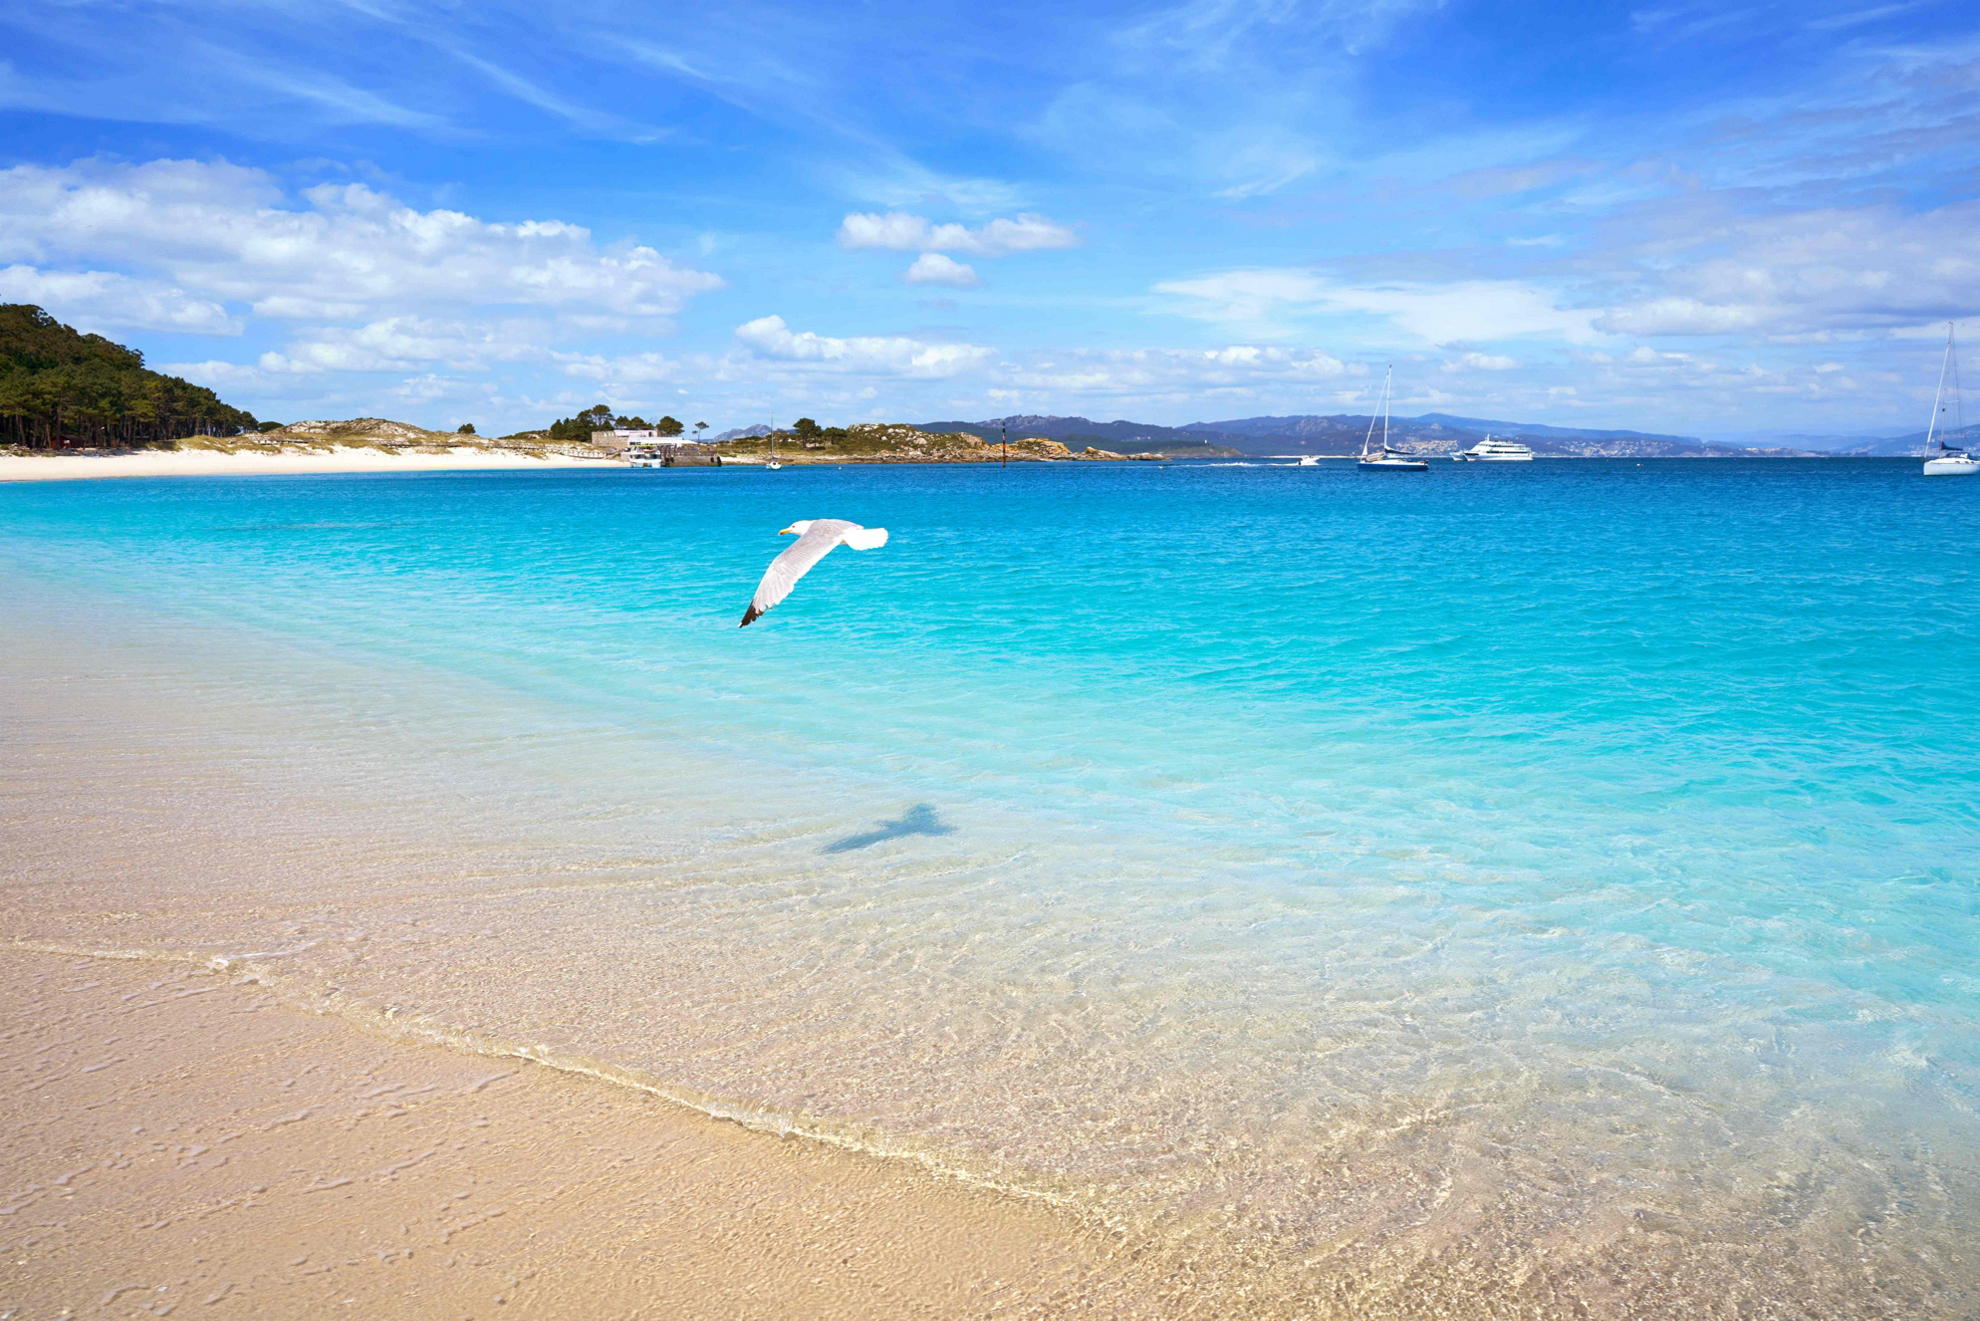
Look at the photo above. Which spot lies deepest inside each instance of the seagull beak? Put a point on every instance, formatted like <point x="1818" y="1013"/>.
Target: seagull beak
<point x="787" y="533"/>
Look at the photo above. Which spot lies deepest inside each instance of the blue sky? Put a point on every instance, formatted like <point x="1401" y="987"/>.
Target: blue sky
<point x="1677" y="217"/>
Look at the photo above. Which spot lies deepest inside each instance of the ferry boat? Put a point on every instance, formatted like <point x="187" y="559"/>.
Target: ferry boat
<point x="646" y="454"/>
<point x="1495" y="451"/>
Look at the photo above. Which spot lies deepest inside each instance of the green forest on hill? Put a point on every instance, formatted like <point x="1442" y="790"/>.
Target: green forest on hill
<point x="60" y="389"/>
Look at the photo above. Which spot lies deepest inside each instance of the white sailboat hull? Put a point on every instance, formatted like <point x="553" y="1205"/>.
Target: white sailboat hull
<point x="1942" y="460"/>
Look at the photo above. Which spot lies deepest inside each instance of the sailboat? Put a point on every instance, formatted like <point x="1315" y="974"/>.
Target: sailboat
<point x="771" y="463"/>
<point x="1389" y="460"/>
<point x="1950" y="461"/>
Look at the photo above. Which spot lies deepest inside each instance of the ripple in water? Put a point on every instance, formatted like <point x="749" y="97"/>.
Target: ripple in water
<point x="1508" y="891"/>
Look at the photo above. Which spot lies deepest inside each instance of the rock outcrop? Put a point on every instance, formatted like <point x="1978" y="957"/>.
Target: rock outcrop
<point x="893" y="443"/>
<point x="358" y="431"/>
<point x="383" y="433"/>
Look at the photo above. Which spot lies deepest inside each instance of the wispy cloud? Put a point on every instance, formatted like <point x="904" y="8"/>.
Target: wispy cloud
<point x="106" y="300"/>
<point x="903" y="231"/>
<point x="1453" y="312"/>
<point x="1703" y="269"/>
<point x="883" y="355"/>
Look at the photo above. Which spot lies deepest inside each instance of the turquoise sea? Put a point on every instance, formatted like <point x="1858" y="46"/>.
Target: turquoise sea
<point x="1545" y="888"/>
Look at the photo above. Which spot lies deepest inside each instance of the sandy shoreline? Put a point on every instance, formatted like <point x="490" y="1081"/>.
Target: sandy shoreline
<point x="177" y="1134"/>
<point x="180" y="1137"/>
<point x="288" y="462"/>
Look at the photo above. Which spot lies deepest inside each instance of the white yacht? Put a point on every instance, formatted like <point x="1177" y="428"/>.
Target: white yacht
<point x="1495" y="451"/>
<point x="1948" y="460"/>
<point x="1386" y="459"/>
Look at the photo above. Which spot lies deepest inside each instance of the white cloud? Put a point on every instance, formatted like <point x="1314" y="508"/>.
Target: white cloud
<point x="1253" y="298"/>
<point x="106" y="300"/>
<point x="1238" y="370"/>
<point x="220" y="232"/>
<point x="1484" y="362"/>
<point x="903" y="231"/>
<point x="902" y="182"/>
<point x="769" y="337"/>
<point x="1261" y="299"/>
<point x="934" y="268"/>
<point x="1679" y="316"/>
<point x="217" y="375"/>
<point x="631" y="367"/>
<point x="1797" y="275"/>
<point x="407" y="343"/>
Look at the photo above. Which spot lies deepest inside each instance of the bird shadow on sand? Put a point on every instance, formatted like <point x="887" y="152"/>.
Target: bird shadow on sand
<point x="917" y="820"/>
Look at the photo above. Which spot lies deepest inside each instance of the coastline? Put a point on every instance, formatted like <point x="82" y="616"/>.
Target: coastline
<point x="286" y="463"/>
<point x="213" y="761"/>
<point x="192" y="1126"/>
<point x="181" y="1135"/>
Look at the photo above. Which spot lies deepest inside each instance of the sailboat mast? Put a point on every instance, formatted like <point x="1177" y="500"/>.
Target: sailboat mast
<point x="1387" y="377"/>
<point x="1385" y="417"/>
<point x="1932" y="427"/>
<point x="1958" y="406"/>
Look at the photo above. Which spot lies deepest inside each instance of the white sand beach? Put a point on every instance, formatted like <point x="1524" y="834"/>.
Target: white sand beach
<point x="287" y="461"/>
<point x="179" y="1137"/>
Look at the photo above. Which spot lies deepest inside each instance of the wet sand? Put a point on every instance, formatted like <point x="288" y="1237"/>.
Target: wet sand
<point x="179" y="1141"/>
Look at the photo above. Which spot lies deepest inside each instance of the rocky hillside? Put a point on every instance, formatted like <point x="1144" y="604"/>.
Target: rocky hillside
<point x="1080" y="433"/>
<point x="381" y="434"/>
<point x="897" y="443"/>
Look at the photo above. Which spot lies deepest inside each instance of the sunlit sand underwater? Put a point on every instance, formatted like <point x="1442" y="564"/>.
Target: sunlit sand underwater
<point x="1493" y="892"/>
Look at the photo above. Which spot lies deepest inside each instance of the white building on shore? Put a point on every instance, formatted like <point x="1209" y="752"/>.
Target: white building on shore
<point x="622" y="439"/>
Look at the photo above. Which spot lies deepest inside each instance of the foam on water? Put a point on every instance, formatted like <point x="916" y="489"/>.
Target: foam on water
<point x="1515" y="887"/>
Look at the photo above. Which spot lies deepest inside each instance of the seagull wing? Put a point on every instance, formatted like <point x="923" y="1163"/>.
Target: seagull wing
<point x="796" y="561"/>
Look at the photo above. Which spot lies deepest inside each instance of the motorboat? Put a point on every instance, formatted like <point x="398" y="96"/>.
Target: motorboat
<point x="1948" y="460"/>
<point x="1387" y="459"/>
<point x="1489" y="450"/>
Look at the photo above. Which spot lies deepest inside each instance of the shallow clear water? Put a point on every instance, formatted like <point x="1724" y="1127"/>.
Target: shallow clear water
<point x="1552" y="885"/>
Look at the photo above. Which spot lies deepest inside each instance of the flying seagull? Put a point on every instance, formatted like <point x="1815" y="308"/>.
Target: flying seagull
<point x="815" y="539"/>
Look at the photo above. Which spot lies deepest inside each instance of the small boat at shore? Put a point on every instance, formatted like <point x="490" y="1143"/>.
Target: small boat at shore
<point x="1387" y="459"/>
<point x="1950" y="460"/>
<point x="1489" y="450"/>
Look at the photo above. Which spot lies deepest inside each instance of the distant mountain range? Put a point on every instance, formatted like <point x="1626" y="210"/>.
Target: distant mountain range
<point x="1861" y="442"/>
<point x="1914" y="443"/>
<point x="1882" y="444"/>
<point x="1430" y="433"/>
<point x="1340" y="434"/>
<point x="1079" y="432"/>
